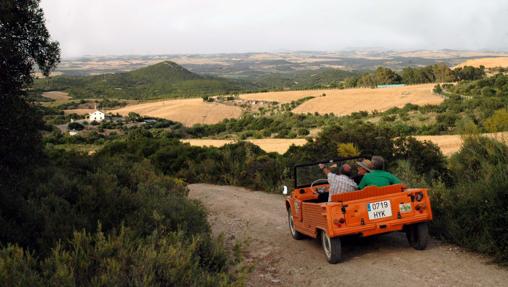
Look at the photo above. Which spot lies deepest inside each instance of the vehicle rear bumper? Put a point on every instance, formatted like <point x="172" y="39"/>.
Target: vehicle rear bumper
<point x="379" y="227"/>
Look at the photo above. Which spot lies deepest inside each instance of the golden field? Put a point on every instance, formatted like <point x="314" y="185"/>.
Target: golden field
<point x="450" y="144"/>
<point x="268" y="145"/>
<point x="487" y="62"/>
<point x="57" y="96"/>
<point x="186" y="111"/>
<point x="344" y="102"/>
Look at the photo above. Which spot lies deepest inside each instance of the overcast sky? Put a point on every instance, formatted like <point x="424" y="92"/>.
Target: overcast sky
<point x="119" y="27"/>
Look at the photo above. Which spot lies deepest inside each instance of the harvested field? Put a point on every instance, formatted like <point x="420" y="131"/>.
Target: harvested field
<point x="268" y="145"/>
<point x="57" y="96"/>
<point x="450" y="144"/>
<point x="186" y="111"/>
<point x="344" y="102"/>
<point x="283" y="97"/>
<point x="487" y="62"/>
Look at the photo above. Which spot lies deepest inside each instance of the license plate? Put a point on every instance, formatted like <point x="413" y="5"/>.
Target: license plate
<point x="380" y="209"/>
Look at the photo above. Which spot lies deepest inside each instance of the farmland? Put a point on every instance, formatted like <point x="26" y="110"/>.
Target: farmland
<point x="450" y="144"/>
<point x="186" y="111"/>
<point x="337" y="101"/>
<point x="56" y="96"/>
<point x="268" y="145"/>
<point x="493" y="62"/>
<point x="346" y="101"/>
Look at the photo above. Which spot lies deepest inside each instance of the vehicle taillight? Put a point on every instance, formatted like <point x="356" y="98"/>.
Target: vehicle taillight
<point x="339" y="222"/>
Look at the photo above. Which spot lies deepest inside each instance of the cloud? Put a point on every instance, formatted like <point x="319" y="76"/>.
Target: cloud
<point x="97" y="27"/>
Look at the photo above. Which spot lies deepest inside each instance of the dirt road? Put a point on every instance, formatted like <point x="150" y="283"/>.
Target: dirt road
<point x="260" y="218"/>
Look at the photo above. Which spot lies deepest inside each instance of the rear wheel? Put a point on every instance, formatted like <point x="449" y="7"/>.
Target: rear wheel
<point x="295" y="234"/>
<point x="332" y="248"/>
<point x="418" y="235"/>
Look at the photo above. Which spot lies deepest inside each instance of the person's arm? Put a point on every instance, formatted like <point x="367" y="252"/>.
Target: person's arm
<point x="326" y="170"/>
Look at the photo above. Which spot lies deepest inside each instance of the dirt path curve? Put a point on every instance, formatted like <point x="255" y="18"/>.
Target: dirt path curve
<point x="260" y="218"/>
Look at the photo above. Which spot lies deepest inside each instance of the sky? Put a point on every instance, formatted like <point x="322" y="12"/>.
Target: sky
<point x="134" y="27"/>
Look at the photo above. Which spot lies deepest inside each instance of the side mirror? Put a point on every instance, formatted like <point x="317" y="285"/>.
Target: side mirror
<point x="285" y="190"/>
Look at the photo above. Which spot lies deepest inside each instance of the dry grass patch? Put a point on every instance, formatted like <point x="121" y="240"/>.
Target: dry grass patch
<point x="450" y="144"/>
<point x="186" y="111"/>
<point x="487" y="62"/>
<point x="56" y="95"/>
<point x="344" y="102"/>
<point x="268" y="145"/>
<point x="282" y="97"/>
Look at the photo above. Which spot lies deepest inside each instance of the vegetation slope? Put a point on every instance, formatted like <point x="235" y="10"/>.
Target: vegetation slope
<point x="162" y="80"/>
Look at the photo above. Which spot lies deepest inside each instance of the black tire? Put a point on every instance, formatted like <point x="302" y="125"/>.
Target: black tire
<point x="332" y="248"/>
<point x="295" y="234"/>
<point x="418" y="235"/>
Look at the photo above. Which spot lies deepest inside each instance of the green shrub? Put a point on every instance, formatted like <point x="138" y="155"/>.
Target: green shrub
<point x="498" y="121"/>
<point x="474" y="212"/>
<point x="120" y="259"/>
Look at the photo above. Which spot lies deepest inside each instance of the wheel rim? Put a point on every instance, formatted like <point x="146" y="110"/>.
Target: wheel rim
<point x="291" y="224"/>
<point x="327" y="246"/>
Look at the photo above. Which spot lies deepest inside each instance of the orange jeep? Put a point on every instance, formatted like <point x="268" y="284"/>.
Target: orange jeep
<point x="373" y="210"/>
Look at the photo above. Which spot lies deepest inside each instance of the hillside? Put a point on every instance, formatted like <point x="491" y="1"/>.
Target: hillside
<point x="185" y="111"/>
<point x="162" y="80"/>
<point x="346" y="101"/>
<point x="493" y="62"/>
<point x="306" y="79"/>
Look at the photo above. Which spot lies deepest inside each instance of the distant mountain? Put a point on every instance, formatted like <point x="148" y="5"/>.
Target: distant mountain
<point x="162" y="80"/>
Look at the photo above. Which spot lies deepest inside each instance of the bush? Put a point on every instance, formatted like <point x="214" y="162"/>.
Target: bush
<point x="347" y="150"/>
<point x="120" y="259"/>
<point x="149" y="232"/>
<point x="497" y="122"/>
<point x="474" y="212"/>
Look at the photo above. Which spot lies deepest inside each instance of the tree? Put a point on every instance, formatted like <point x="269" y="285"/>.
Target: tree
<point x="469" y="73"/>
<point x="75" y="126"/>
<point x="442" y="73"/>
<point x="386" y="76"/>
<point x="24" y="44"/>
<point x="134" y="117"/>
<point x="437" y="89"/>
<point x="498" y="121"/>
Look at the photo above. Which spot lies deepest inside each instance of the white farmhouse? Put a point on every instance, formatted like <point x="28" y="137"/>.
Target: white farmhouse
<point x="97" y="116"/>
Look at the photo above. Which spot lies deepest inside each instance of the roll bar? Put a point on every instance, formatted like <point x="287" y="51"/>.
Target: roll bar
<point x="329" y="161"/>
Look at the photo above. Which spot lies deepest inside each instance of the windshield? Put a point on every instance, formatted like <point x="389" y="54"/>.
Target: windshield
<point x="306" y="174"/>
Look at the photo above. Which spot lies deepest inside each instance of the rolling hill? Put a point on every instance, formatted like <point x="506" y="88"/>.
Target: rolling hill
<point x="489" y="63"/>
<point x="162" y="80"/>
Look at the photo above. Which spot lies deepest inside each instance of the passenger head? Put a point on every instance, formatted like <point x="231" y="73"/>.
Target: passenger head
<point x="378" y="162"/>
<point x="364" y="166"/>
<point x="345" y="169"/>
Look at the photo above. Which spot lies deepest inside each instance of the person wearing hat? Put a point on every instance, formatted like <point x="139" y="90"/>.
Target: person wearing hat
<point x="377" y="175"/>
<point x="364" y="167"/>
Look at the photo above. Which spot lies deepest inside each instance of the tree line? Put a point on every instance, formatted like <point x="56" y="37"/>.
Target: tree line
<point x="437" y="73"/>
